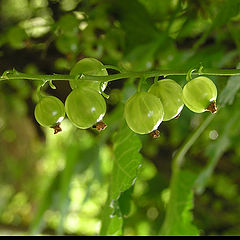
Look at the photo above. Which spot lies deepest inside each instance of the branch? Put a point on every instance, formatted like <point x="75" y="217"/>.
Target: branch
<point x="15" y="75"/>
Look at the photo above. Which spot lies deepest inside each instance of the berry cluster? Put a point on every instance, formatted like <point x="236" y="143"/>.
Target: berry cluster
<point x="164" y="101"/>
<point x="85" y="106"/>
<point x="144" y="111"/>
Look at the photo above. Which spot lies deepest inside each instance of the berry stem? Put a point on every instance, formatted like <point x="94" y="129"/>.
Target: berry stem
<point x="140" y="84"/>
<point x="15" y="75"/>
<point x="39" y="94"/>
<point x="189" y="74"/>
<point x="155" y="79"/>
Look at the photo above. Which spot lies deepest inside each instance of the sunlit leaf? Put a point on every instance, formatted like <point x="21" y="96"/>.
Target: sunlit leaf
<point x="178" y="220"/>
<point x="127" y="161"/>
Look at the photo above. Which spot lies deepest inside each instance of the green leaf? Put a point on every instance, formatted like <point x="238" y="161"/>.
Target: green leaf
<point x="112" y="220"/>
<point x="124" y="201"/>
<point x="127" y="162"/>
<point x="228" y="94"/>
<point x="178" y="220"/>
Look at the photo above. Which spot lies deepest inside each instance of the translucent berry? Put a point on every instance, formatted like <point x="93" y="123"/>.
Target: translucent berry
<point x="88" y="66"/>
<point x="143" y="112"/>
<point x="50" y="112"/>
<point x="170" y="94"/>
<point x="85" y="107"/>
<point x="200" y="95"/>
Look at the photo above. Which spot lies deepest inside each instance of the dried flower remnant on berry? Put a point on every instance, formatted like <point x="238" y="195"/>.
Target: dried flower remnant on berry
<point x="57" y="128"/>
<point x="212" y="107"/>
<point x="155" y="134"/>
<point x="100" y="126"/>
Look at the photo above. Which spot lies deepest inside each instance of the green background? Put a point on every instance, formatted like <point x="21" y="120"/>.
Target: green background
<point x="81" y="182"/>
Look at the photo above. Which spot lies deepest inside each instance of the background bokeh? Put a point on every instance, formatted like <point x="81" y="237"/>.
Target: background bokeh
<point x="58" y="184"/>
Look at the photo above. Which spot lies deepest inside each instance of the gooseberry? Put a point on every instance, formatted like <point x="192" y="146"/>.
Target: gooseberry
<point x="143" y="112"/>
<point x="88" y="66"/>
<point x="170" y="94"/>
<point x="50" y="112"/>
<point x="85" y="107"/>
<point x="200" y="95"/>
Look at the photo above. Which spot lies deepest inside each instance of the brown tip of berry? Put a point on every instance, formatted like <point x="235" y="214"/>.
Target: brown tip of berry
<point x="212" y="107"/>
<point x="155" y="134"/>
<point x="100" y="126"/>
<point x="57" y="128"/>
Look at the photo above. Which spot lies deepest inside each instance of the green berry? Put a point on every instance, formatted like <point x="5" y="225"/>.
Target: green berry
<point x="200" y="95"/>
<point x="170" y="94"/>
<point x="88" y="66"/>
<point x="143" y="112"/>
<point x="49" y="112"/>
<point x="85" y="107"/>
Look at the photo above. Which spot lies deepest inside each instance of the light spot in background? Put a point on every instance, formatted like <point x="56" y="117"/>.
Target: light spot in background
<point x="196" y="120"/>
<point x="77" y="223"/>
<point x="140" y="189"/>
<point x="148" y="171"/>
<point x="143" y="228"/>
<point x="170" y="57"/>
<point x="213" y="134"/>
<point x="80" y="15"/>
<point x="18" y="204"/>
<point x="52" y="218"/>
<point x="152" y="213"/>
<point x="39" y="3"/>
<point x="148" y="64"/>
<point x="98" y="226"/>
<point x="68" y="5"/>
<point x="83" y="25"/>
<point x="165" y="196"/>
<point x="72" y="222"/>
<point x="36" y="27"/>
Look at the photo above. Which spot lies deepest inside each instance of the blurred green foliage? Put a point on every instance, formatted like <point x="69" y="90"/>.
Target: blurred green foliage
<point x="77" y="182"/>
